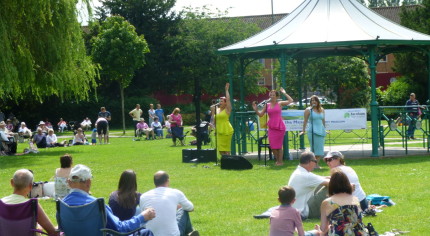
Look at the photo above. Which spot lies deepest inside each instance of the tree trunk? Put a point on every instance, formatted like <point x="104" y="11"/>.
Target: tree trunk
<point x="121" y="88"/>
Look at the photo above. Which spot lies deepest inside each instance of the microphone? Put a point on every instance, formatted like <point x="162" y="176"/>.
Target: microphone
<point x="313" y="105"/>
<point x="265" y="101"/>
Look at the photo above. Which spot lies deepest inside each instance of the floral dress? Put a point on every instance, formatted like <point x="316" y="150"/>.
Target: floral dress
<point x="346" y="220"/>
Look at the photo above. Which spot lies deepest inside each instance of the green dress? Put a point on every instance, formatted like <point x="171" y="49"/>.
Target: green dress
<point x="224" y="131"/>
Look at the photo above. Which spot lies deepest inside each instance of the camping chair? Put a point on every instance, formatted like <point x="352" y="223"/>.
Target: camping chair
<point x="19" y="219"/>
<point x="86" y="220"/>
<point x="179" y="133"/>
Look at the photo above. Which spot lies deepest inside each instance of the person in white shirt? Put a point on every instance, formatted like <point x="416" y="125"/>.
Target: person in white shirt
<point x="310" y="188"/>
<point x="23" y="131"/>
<point x="52" y="141"/>
<point x="86" y="124"/>
<point x="172" y="208"/>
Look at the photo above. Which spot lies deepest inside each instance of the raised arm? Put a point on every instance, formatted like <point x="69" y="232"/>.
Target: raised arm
<point x="289" y="99"/>
<point x="227" y="97"/>
<point x="259" y="113"/>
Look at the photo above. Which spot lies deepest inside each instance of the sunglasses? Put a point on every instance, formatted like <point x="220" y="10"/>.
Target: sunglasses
<point x="328" y="160"/>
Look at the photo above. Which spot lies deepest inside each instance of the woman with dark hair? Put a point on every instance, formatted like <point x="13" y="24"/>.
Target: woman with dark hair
<point x="316" y="128"/>
<point x="341" y="213"/>
<point x="275" y="124"/>
<point x="175" y="120"/>
<point x="223" y="128"/>
<point x="125" y="200"/>
<point x="61" y="176"/>
<point x="335" y="159"/>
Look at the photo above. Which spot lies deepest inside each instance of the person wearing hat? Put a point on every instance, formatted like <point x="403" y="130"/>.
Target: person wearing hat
<point x="43" y="127"/>
<point x="80" y="181"/>
<point x="22" y="183"/>
<point x="24" y="132"/>
<point x="9" y="139"/>
<point x="335" y="159"/>
<point x="310" y="188"/>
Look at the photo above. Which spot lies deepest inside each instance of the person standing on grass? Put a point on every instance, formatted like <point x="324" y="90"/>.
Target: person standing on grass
<point x="105" y="114"/>
<point x="136" y="113"/>
<point x="102" y="129"/>
<point x="172" y="208"/>
<point x="412" y="109"/>
<point x="151" y="113"/>
<point x="159" y="112"/>
<point x="223" y="128"/>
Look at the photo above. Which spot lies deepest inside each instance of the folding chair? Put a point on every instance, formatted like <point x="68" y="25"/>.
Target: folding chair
<point x="86" y="220"/>
<point x="19" y="219"/>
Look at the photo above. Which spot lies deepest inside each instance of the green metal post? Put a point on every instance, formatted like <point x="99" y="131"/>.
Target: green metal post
<point x="373" y="103"/>
<point x="299" y="77"/>
<point x="283" y="68"/>
<point x="428" y="79"/>
<point x="230" y="79"/>
<point x="242" y="107"/>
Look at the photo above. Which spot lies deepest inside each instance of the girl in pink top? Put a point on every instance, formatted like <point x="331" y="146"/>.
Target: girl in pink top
<point x="275" y="123"/>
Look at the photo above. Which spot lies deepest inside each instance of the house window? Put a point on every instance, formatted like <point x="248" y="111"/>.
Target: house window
<point x="262" y="81"/>
<point x="384" y="59"/>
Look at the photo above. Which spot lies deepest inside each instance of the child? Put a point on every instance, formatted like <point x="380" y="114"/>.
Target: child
<point x="285" y="219"/>
<point x="94" y="137"/>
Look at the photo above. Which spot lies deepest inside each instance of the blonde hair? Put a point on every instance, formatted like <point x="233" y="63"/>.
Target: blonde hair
<point x="176" y="111"/>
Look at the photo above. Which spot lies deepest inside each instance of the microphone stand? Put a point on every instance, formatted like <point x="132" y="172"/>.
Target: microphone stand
<point x="216" y="136"/>
<point x="266" y="135"/>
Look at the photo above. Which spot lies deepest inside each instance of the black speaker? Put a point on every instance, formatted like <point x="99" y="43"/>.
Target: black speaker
<point x="235" y="163"/>
<point x="202" y="155"/>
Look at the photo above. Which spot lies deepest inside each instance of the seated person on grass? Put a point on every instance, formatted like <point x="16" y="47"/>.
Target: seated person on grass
<point x="142" y="127"/>
<point x="23" y="131"/>
<point x="62" y="125"/>
<point x="157" y="128"/>
<point x="86" y="124"/>
<point x="79" y="138"/>
<point x="285" y="219"/>
<point x="52" y="141"/>
<point x="39" y="138"/>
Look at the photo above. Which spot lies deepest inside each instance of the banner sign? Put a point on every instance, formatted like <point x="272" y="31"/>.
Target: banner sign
<point x="335" y="119"/>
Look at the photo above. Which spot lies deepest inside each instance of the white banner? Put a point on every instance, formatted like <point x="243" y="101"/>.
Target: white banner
<point x="335" y="119"/>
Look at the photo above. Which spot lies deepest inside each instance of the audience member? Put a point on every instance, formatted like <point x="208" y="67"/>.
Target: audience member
<point x="52" y="141"/>
<point x="159" y="112"/>
<point x="310" y="188"/>
<point x="24" y="132"/>
<point x="335" y="159"/>
<point x="285" y="219"/>
<point x="172" y="208"/>
<point x="136" y="113"/>
<point x="9" y="125"/>
<point x="125" y="200"/>
<point x="39" y="138"/>
<point x="80" y="180"/>
<point x="43" y="127"/>
<point x="62" y="125"/>
<point x="94" y="137"/>
<point x="105" y="114"/>
<point x="168" y="127"/>
<point x="143" y="127"/>
<point x="341" y="213"/>
<point x="8" y="132"/>
<point x="86" y="124"/>
<point x="151" y="113"/>
<point x="22" y="183"/>
<point x="157" y="128"/>
<point x="48" y="124"/>
<point x="102" y="129"/>
<point x="8" y="142"/>
<point x="79" y="138"/>
<point x="15" y="123"/>
<point x="61" y="175"/>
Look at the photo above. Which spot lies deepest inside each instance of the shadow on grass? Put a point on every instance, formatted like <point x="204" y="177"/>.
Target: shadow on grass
<point x="18" y="161"/>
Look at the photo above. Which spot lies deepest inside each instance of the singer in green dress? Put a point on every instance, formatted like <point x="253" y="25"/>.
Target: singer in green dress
<point x="223" y="129"/>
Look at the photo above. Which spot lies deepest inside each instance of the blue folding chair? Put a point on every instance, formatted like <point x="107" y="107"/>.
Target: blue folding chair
<point x="86" y="220"/>
<point x="19" y="219"/>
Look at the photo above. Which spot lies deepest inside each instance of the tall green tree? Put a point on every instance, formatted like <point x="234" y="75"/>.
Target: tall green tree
<point x="43" y="52"/>
<point x="156" y="20"/>
<point x="201" y="34"/>
<point x="120" y="52"/>
<point x="413" y="65"/>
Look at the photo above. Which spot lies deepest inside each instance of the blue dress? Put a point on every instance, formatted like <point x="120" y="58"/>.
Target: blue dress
<point x="318" y="131"/>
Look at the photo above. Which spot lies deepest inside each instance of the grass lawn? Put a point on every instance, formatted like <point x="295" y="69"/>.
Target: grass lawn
<point x="225" y="201"/>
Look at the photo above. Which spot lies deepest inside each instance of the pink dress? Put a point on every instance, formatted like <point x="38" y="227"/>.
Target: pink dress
<point x="276" y="126"/>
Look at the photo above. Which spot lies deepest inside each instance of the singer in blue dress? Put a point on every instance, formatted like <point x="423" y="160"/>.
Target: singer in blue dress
<point x="314" y="125"/>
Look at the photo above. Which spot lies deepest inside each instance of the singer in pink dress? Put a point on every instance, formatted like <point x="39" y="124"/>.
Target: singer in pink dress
<point x="275" y="124"/>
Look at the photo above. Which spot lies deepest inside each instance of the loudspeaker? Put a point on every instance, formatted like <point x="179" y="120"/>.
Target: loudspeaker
<point x="202" y="155"/>
<point x="235" y="163"/>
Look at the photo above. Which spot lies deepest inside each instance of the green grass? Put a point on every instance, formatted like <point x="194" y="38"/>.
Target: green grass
<point x="224" y="200"/>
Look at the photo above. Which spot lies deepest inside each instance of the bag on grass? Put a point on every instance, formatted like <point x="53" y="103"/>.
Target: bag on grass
<point x="37" y="190"/>
<point x="376" y="199"/>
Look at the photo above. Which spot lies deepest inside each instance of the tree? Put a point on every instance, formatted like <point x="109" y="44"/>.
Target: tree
<point x="415" y="73"/>
<point x="200" y="35"/>
<point x="43" y="52"/>
<point x="120" y="52"/>
<point x="156" y="20"/>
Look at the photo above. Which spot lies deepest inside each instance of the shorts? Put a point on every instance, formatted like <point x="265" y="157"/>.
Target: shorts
<point x="102" y="127"/>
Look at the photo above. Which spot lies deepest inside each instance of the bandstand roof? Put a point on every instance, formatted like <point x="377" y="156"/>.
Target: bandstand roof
<point x="330" y="27"/>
